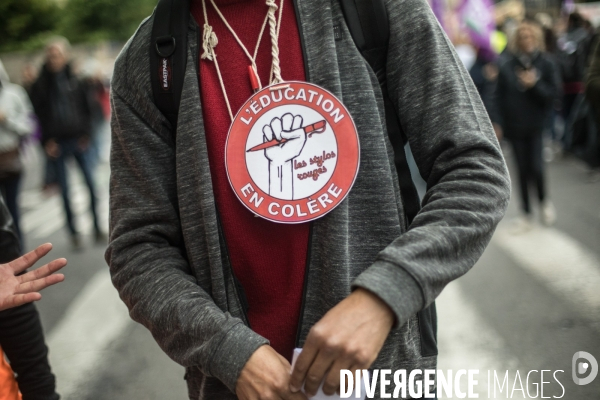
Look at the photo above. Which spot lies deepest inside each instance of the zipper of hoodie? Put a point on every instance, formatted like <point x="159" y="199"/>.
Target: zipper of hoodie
<point x="304" y="286"/>
<point x="310" y="228"/>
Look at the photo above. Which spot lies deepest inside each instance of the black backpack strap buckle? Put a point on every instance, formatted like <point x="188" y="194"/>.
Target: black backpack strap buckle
<point x="166" y="45"/>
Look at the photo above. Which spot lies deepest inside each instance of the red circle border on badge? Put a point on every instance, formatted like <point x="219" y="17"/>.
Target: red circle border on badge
<point x="330" y="195"/>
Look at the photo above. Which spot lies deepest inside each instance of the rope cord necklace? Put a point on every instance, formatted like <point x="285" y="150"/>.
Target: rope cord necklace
<point x="210" y="41"/>
<point x="292" y="151"/>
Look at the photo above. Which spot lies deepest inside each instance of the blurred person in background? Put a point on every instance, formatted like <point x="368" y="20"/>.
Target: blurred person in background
<point x="484" y="74"/>
<point x="100" y="111"/>
<point x="550" y="39"/>
<point x="580" y="124"/>
<point x="553" y="145"/>
<point x="21" y="334"/>
<point x="15" y="125"/>
<point x="465" y="50"/>
<point x="572" y="55"/>
<point x="527" y="85"/>
<point x="29" y="75"/>
<point x="61" y="102"/>
<point x="592" y="91"/>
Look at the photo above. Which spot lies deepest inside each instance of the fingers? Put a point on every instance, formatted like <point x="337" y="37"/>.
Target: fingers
<point x="43" y="271"/>
<point x="293" y="396"/>
<point x="303" y="363"/>
<point x="27" y="260"/>
<point x="266" y="375"/>
<point x="297" y="134"/>
<point x="20" y="299"/>
<point x="317" y="371"/>
<point x="287" y="121"/>
<point x="268" y="133"/>
<point x="331" y="384"/>
<point x="39" y="284"/>
<point x="276" y="126"/>
<point x="297" y="124"/>
<point x="284" y="390"/>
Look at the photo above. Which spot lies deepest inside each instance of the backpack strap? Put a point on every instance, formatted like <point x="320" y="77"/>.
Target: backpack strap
<point x="168" y="55"/>
<point x="368" y="24"/>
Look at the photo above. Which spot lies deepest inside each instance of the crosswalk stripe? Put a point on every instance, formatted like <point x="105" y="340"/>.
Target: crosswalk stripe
<point x="560" y="262"/>
<point x="41" y="213"/>
<point x="79" y="205"/>
<point x="46" y="216"/>
<point x="79" y="342"/>
<point x="470" y="343"/>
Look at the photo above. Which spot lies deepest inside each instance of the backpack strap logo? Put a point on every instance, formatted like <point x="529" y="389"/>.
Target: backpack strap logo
<point x="165" y="74"/>
<point x="165" y="47"/>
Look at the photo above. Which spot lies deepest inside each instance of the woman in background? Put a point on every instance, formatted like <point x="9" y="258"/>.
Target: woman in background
<point x="592" y="93"/>
<point x="528" y="83"/>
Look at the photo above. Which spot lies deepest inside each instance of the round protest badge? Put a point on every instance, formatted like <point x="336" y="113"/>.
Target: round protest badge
<point x="292" y="153"/>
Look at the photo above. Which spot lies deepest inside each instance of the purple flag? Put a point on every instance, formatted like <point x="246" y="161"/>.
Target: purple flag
<point x="477" y="17"/>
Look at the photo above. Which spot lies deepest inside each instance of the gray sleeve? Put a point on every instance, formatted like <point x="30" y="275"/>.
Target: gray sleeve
<point x="147" y="257"/>
<point x="458" y="155"/>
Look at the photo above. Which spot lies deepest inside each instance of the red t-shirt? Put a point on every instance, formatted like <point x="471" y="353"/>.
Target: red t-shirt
<point x="268" y="258"/>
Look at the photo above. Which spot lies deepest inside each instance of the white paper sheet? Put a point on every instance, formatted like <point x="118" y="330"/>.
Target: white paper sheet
<point x="322" y="396"/>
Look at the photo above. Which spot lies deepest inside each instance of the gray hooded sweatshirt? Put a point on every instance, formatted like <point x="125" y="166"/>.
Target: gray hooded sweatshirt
<point x="167" y="256"/>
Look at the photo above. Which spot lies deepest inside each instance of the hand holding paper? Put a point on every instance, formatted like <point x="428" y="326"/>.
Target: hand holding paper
<point x="322" y="396"/>
<point x="349" y="336"/>
<point x="266" y="375"/>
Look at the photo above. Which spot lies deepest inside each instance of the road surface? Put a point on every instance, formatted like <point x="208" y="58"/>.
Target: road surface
<point x="530" y="303"/>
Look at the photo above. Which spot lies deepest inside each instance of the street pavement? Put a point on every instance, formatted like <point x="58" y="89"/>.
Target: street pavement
<point x="530" y="303"/>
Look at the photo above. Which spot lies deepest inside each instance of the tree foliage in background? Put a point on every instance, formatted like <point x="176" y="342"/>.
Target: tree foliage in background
<point x="25" y="24"/>
<point x="90" y="20"/>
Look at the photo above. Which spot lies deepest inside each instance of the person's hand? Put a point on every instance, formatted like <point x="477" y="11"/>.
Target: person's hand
<point x="18" y="290"/>
<point x="52" y="149"/>
<point x="266" y="376"/>
<point x="527" y="77"/>
<point x="287" y="127"/>
<point x="490" y="72"/>
<point x="349" y="336"/>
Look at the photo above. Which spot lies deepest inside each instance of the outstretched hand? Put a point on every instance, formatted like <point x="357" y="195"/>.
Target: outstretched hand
<point x="16" y="290"/>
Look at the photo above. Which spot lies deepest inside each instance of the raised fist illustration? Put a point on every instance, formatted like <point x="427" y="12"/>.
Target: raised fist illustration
<point x="290" y="134"/>
<point x="289" y="131"/>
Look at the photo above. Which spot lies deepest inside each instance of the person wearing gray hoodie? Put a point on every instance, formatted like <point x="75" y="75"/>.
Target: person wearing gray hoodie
<point x="368" y="271"/>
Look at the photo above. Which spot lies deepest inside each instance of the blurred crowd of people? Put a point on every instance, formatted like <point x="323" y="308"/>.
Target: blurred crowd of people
<point x="65" y="111"/>
<point x="541" y="88"/>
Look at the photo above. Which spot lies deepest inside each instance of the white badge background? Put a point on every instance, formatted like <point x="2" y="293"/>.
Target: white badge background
<point x="258" y="164"/>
